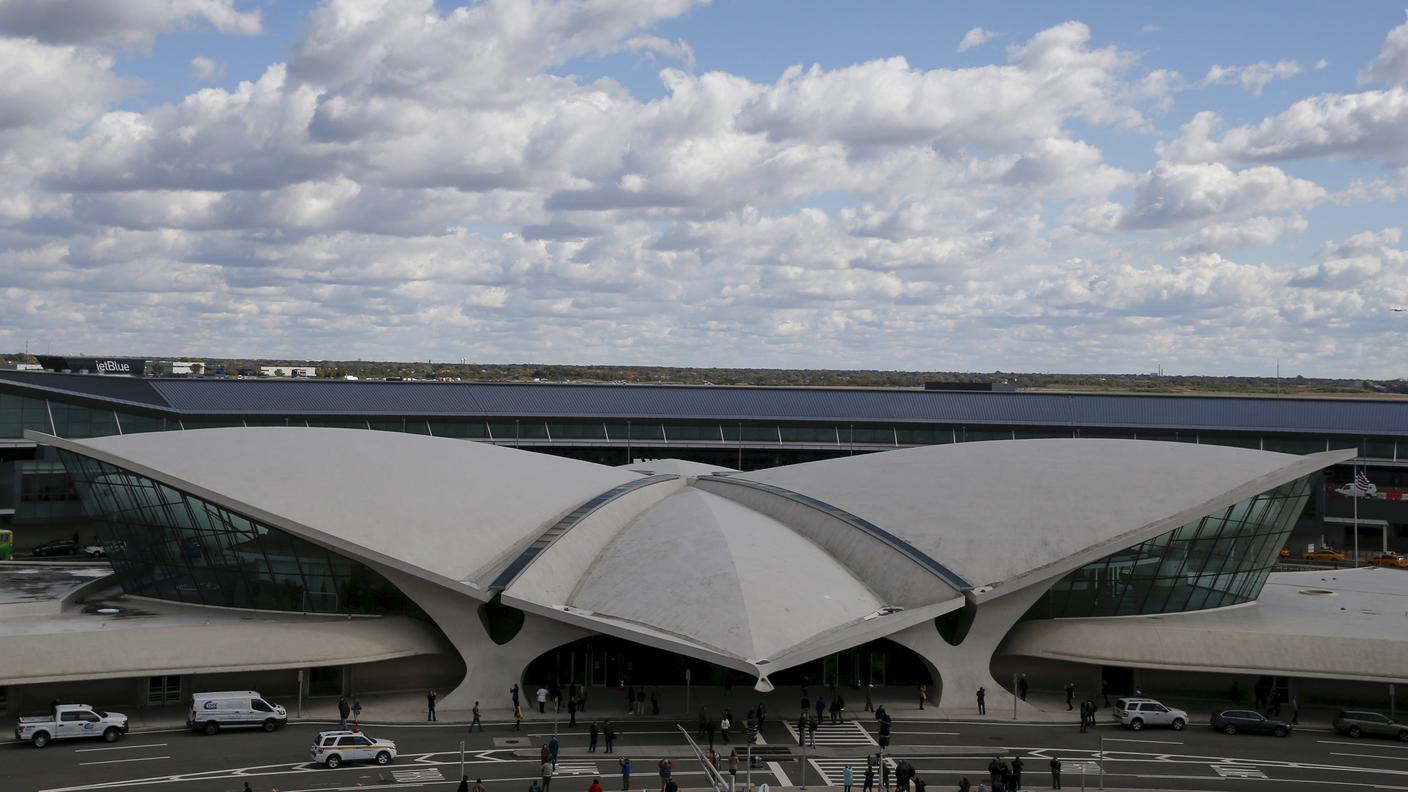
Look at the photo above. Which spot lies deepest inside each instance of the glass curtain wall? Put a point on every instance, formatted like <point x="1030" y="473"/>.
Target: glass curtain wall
<point x="1221" y="559"/>
<point x="169" y="545"/>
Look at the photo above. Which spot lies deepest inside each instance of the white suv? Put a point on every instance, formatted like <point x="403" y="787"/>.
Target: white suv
<point x="332" y="748"/>
<point x="1136" y="713"/>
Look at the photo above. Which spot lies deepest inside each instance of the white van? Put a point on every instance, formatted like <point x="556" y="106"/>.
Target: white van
<point x="211" y="712"/>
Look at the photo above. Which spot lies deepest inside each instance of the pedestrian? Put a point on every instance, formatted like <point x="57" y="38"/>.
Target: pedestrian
<point x="553" y="747"/>
<point x="609" y="732"/>
<point x="724" y="726"/>
<point x="430" y="706"/>
<point x="995" y="769"/>
<point x="869" y="777"/>
<point x="1070" y="695"/>
<point x="1017" y="774"/>
<point x="517" y="717"/>
<point x="1055" y="772"/>
<point x="762" y="715"/>
<point x="671" y="786"/>
<point x="630" y="700"/>
<point x="919" y="783"/>
<point x="1105" y="690"/>
<point x="869" y="705"/>
<point x="544" y="755"/>
<point x="625" y="763"/>
<point x="246" y="788"/>
<point x="802" y="729"/>
<point x="596" y="784"/>
<point x="847" y="778"/>
<point x="1005" y="776"/>
<point x="640" y="700"/>
<point x="655" y="701"/>
<point x="982" y="700"/>
<point x="923" y="695"/>
<point x="811" y="730"/>
<point x="884" y="776"/>
<point x="733" y="769"/>
<point x="555" y="693"/>
<point x="820" y="708"/>
<point x="474" y="718"/>
<point x="708" y="725"/>
<point x="478" y="784"/>
<point x="542" y="703"/>
<point x="571" y="711"/>
<point x="1084" y="719"/>
<point x="513" y="693"/>
<point x="343" y="710"/>
<point x="1295" y="711"/>
<point x="536" y="786"/>
<point x="666" y="768"/>
<point x="963" y="784"/>
<point x="593" y="732"/>
<point x="547" y="776"/>
<point x="1022" y="687"/>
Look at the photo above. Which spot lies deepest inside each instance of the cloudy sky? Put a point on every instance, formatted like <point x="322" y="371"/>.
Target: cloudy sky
<point x="1206" y="186"/>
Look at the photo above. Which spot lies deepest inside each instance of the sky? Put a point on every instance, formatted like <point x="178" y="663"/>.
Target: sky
<point x="1205" y="187"/>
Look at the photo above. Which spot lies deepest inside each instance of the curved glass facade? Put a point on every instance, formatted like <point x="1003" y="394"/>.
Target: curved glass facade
<point x="170" y="545"/>
<point x="1221" y="559"/>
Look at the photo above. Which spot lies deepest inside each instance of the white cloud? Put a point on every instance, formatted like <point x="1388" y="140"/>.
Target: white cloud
<point x="1252" y="231"/>
<point x="204" y="68"/>
<point x="974" y="38"/>
<point x="1362" y="262"/>
<point x="43" y="85"/>
<point x="1320" y="64"/>
<point x="132" y="23"/>
<point x="1253" y="78"/>
<point x="1391" y="64"/>
<point x="1173" y="195"/>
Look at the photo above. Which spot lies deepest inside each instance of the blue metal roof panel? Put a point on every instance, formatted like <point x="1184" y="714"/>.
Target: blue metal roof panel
<point x="125" y="390"/>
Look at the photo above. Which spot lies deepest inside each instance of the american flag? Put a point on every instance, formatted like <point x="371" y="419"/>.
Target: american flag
<point x="1362" y="481"/>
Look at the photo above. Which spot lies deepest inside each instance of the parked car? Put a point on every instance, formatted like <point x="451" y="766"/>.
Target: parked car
<point x="1236" y="720"/>
<point x="1136" y="713"/>
<point x="70" y="721"/>
<point x="1324" y="554"/>
<point x="1391" y="560"/>
<point x="211" y="712"/>
<point x="56" y="548"/>
<point x="95" y="551"/>
<point x="1358" y="723"/>
<point x="332" y="748"/>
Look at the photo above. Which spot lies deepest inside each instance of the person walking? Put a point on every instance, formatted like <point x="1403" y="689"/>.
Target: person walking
<point x="724" y="727"/>
<point x="1017" y="774"/>
<point x="802" y="729"/>
<point x="811" y="730"/>
<point x="517" y="717"/>
<point x="963" y="784"/>
<point x="1022" y="687"/>
<point x="733" y="769"/>
<point x="840" y="704"/>
<point x="625" y="763"/>
<point x="464" y="784"/>
<point x="923" y="695"/>
<point x="847" y="778"/>
<point x="553" y="747"/>
<point x="1070" y="695"/>
<point x="474" y="718"/>
<point x="982" y="700"/>
<point x="547" y="776"/>
<point x="513" y="694"/>
<point x="666" y="769"/>
<point x="995" y="770"/>
<point x="869" y="704"/>
<point x="356" y="713"/>
<point x="1295" y="711"/>
<point x="542" y="703"/>
<point x="1084" y="718"/>
<point x="571" y="711"/>
<point x="609" y="732"/>
<point x="820" y="708"/>
<point x="1005" y="777"/>
<point x="596" y="785"/>
<point x="478" y="784"/>
<point x="430" y="706"/>
<point x="343" y="711"/>
<point x="592" y="733"/>
<point x="869" y="777"/>
<point x="640" y="701"/>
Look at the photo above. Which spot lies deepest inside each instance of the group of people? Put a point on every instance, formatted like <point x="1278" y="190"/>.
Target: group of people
<point x="345" y="710"/>
<point x="708" y="725"/>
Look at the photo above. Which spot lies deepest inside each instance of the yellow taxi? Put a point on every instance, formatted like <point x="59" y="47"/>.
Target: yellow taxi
<point x="1324" y="554"/>
<point x="1391" y="560"/>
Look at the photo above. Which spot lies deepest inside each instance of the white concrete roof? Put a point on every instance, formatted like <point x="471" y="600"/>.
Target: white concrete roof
<point x="997" y="511"/>
<point x="451" y="508"/>
<point x="680" y="467"/>
<point x="1345" y="624"/>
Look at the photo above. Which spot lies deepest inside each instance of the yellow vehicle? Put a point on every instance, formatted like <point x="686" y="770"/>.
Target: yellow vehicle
<point x="1324" y="554"/>
<point x="1392" y="560"/>
<point x="7" y="544"/>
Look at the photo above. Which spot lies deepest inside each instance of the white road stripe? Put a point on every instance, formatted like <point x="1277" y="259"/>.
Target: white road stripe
<point x="1361" y="744"/>
<point x="121" y="747"/>
<point x="116" y="761"/>
<point x="944" y="734"/>
<point x="1371" y="756"/>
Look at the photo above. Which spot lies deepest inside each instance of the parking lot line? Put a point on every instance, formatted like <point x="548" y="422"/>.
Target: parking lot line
<point x="121" y="747"/>
<point x="116" y="761"/>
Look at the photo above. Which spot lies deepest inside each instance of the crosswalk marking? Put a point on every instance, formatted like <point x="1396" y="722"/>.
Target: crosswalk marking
<point x="1237" y="771"/>
<point x="576" y="768"/>
<point x="418" y="774"/>
<point x="833" y="771"/>
<point x="848" y="734"/>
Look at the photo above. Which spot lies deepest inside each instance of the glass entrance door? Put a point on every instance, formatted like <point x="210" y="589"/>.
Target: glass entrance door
<point x="877" y="669"/>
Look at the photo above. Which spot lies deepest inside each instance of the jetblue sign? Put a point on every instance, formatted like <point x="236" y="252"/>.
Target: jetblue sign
<point x="130" y="367"/>
<point x="113" y="367"/>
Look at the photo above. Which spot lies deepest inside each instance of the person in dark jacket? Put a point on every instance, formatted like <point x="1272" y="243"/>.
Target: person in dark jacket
<point x="1070" y="695"/>
<point x="869" y="778"/>
<point x="995" y="770"/>
<point x="1005" y="778"/>
<point x="1016" y="774"/>
<point x="593" y="732"/>
<point x="982" y="701"/>
<point x="609" y="732"/>
<point x="1022" y="687"/>
<point x="1055" y="772"/>
<point x="430" y="706"/>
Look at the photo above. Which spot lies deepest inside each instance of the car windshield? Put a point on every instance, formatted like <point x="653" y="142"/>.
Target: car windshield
<point x="100" y="713"/>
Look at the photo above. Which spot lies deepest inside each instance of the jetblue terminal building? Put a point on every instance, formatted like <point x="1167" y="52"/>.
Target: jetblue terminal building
<point x="793" y="536"/>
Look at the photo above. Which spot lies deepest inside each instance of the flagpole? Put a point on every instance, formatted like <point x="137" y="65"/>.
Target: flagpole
<point x="1356" y="516"/>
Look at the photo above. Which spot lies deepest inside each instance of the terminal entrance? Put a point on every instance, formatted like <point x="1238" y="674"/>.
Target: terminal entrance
<point x="606" y="661"/>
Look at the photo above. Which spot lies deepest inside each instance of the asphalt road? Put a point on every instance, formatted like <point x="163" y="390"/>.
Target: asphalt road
<point x="942" y="751"/>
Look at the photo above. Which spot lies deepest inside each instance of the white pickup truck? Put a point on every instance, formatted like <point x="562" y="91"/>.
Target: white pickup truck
<point x="69" y="721"/>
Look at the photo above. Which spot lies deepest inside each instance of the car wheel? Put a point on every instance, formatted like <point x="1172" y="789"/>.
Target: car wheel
<point x="40" y="739"/>
<point x="1178" y="724"/>
<point x="1136" y="724"/>
<point x="270" y="724"/>
<point x="111" y="733"/>
<point x="383" y="757"/>
<point x="1280" y="731"/>
<point x="1230" y="728"/>
<point x="1354" y="731"/>
<point x="211" y="727"/>
<point x="333" y="761"/>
